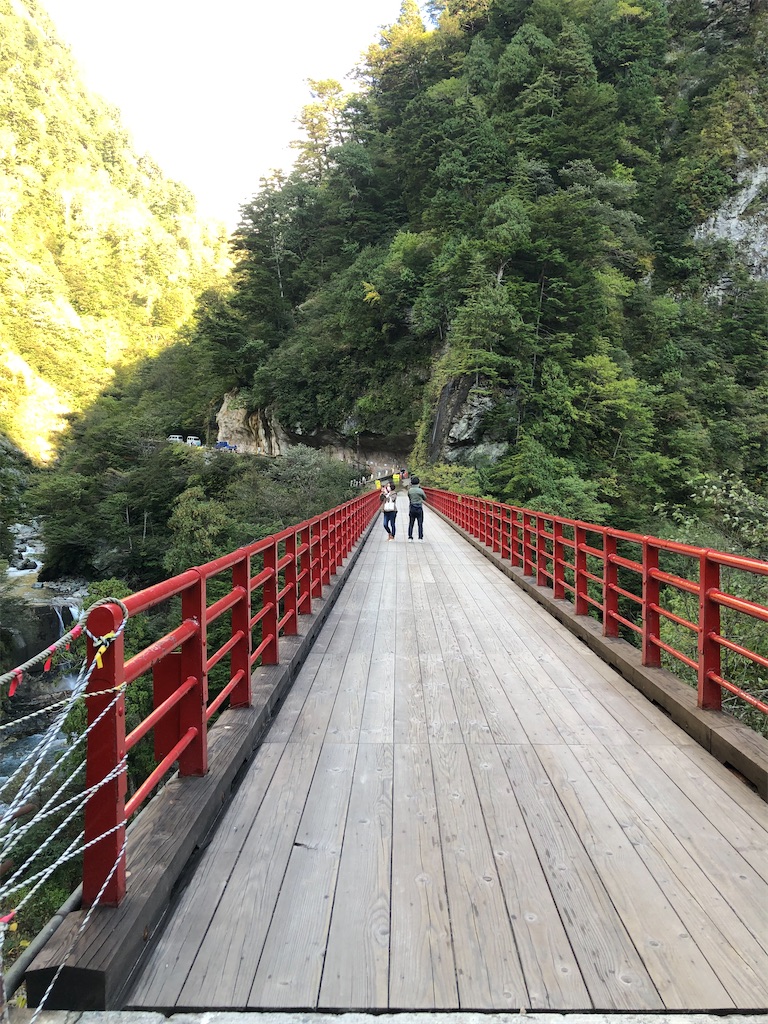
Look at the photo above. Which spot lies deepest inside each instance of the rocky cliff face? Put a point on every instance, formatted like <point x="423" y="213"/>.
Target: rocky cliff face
<point x="743" y="221"/>
<point x="459" y="431"/>
<point x="255" y="433"/>
<point x="261" y="433"/>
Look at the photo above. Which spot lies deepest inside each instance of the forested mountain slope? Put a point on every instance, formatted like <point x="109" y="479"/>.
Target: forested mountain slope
<point x="102" y="258"/>
<point x="531" y="243"/>
<point x="494" y="248"/>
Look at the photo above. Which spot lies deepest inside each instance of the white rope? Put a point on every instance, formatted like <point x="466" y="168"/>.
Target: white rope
<point x="29" y="788"/>
<point x="79" y="931"/>
<point x="8" y="888"/>
<point x="37" y="768"/>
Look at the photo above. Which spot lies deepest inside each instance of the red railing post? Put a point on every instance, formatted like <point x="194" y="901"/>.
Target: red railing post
<point x="610" y="582"/>
<point x="271" y="653"/>
<point x="505" y="519"/>
<point x="316" y="557"/>
<point x="305" y="570"/>
<point x="290" y="601"/>
<point x="709" y="692"/>
<point x="194" y="663"/>
<point x="581" y="605"/>
<point x="241" y="622"/>
<point x="337" y="537"/>
<point x="528" y="549"/>
<point x="541" y="552"/>
<point x="558" y="556"/>
<point x="325" y="549"/>
<point x="515" y="538"/>
<point x="105" y="809"/>
<point x="651" y="594"/>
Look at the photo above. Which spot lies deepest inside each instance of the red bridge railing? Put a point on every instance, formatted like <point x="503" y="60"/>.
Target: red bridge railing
<point x="267" y="585"/>
<point x="603" y="571"/>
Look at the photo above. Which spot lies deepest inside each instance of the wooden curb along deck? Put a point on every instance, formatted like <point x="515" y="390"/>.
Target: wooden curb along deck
<point x="165" y="836"/>
<point x="728" y="740"/>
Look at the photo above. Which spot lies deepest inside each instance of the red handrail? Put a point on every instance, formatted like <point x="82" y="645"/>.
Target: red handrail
<point x="290" y="571"/>
<point x="556" y="551"/>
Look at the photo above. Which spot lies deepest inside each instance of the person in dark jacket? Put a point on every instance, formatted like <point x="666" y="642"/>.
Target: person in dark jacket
<point x="416" y="498"/>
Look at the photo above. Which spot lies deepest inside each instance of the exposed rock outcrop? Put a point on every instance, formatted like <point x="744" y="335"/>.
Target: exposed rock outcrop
<point x="459" y="428"/>
<point x="743" y="221"/>
<point x="261" y="433"/>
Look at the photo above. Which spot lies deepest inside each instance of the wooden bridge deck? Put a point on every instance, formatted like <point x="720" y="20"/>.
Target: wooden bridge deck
<point x="459" y="806"/>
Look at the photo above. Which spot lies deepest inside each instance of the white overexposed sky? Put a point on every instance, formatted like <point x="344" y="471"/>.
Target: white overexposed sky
<point x="211" y="90"/>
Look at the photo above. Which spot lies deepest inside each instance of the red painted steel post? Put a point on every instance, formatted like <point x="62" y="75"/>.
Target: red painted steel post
<point x="651" y="595"/>
<point x="241" y="621"/>
<point x="709" y="693"/>
<point x="105" y="809"/>
<point x="316" y="557"/>
<point x="291" y="600"/>
<point x="528" y="556"/>
<point x="194" y="662"/>
<point x="541" y="552"/>
<point x="516" y="538"/>
<point x="506" y="524"/>
<point x="305" y="570"/>
<point x="610" y="582"/>
<point x="558" y="556"/>
<point x="497" y="543"/>
<point x="325" y="549"/>
<point x="338" y="537"/>
<point x="271" y="653"/>
<point x="581" y="606"/>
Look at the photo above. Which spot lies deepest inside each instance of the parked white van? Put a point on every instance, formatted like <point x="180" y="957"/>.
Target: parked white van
<point x="194" y="442"/>
<point x="176" y="438"/>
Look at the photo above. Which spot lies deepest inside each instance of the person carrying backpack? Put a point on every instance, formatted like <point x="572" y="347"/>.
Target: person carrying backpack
<point x="416" y="498"/>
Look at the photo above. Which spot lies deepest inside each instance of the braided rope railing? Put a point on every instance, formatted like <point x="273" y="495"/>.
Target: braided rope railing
<point x="37" y="768"/>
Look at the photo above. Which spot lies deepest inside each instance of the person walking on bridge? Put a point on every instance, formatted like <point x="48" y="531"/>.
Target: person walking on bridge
<point x="416" y="499"/>
<point x="389" y="499"/>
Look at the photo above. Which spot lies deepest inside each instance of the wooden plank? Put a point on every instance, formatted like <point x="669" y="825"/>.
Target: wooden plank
<point x="347" y="712"/>
<point x="733" y="785"/>
<point x="442" y="718"/>
<point x="422" y="969"/>
<point x="453" y="636"/>
<point x="339" y="621"/>
<point x="356" y="969"/>
<point x="229" y="953"/>
<point x="410" y="717"/>
<point x="577" y="670"/>
<point x="488" y="969"/>
<point x="740" y="885"/>
<point x="682" y="975"/>
<point x="494" y="656"/>
<point x="613" y="971"/>
<point x="377" y="722"/>
<point x="736" y="958"/>
<point x="174" y="953"/>
<point x="552" y="975"/>
<point x="567" y="718"/>
<point x="311" y="722"/>
<point x="291" y="964"/>
<point x="746" y="832"/>
<point x="512" y="710"/>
